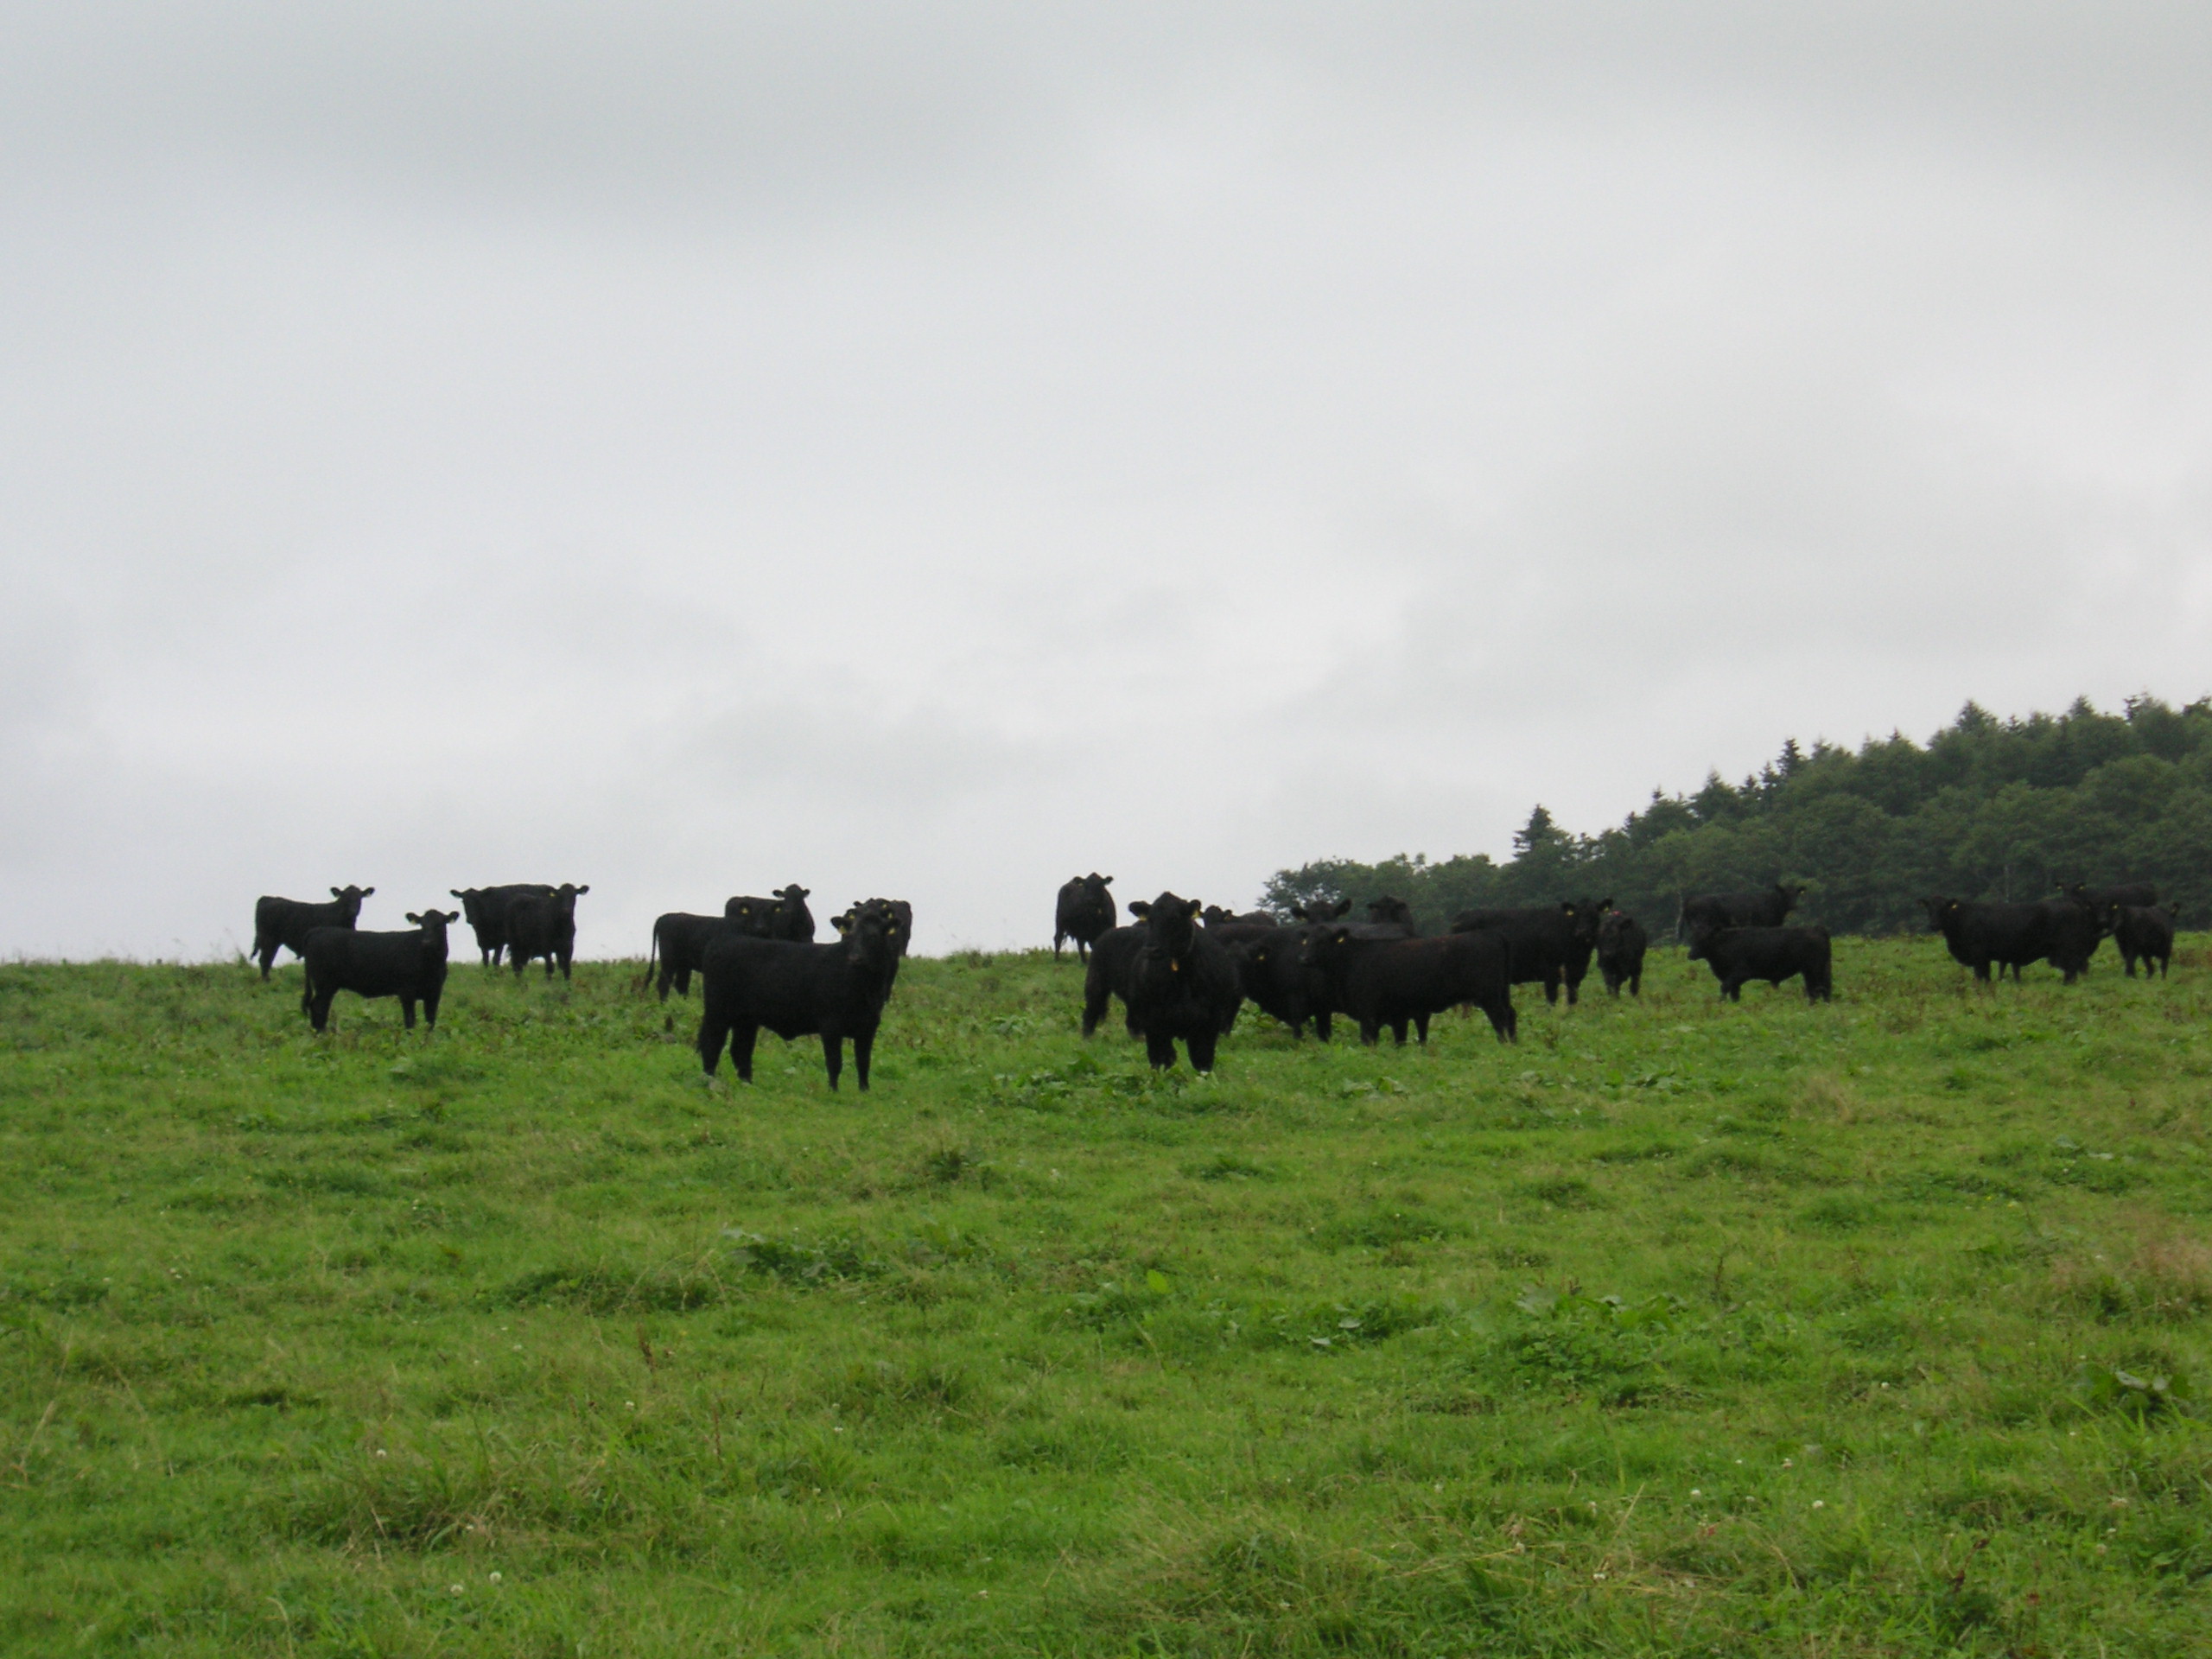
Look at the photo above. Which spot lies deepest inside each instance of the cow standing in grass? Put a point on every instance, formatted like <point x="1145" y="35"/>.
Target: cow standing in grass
<point x="486" y="910"/>
<point x="1551" y="944"/>
<point x="2063" y="931"/>
<point x="1621" y="944"/>
<point x="2144" y="933"/>
<point x="409" y="966"/>
<point x="1738" y="955"/>
<point x="1393" y="982"/>
<point x="835" y="991"/>
<point x="286" y="922"/>
<point x="1181" y="985"/>
<point x="680" y="941"/>
<point x="544" y="926"/>
<point x="1083" y="912"/>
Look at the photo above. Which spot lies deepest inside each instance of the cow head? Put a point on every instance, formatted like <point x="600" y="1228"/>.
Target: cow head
<point x="1321" y="910"/>
<point x="1389" y="909"/>
<point x="1940" y="910"/>
<point x="1789" y="893"/>
<point x="1583" y="916"/>
<point x="1324" y="945"/>
<point x="433" y="924"/>
<point x="565" y="896"/>
<point x="1215" y="916"/>
<point x="349" y="901"/>
<point x="1613" y="923"/>
<point x="865" y="931"/>
<point x="1141" y="908"/>
<point x="1174" y="923"/>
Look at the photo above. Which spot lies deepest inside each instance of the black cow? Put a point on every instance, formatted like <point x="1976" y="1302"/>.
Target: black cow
<point x="409" y="966"/>
<point x="544" y="925"/>
<point x="1322" y="910"/>
<point x="680" y="941"/>
<point x="1387" y="981"/>
<point x="784" y="916"/>
<point x="487" y="910"/>
<point x="1621" y="944"/>
<point x="1773" y="954"/>
<point x="1214" y="916"/>
<point x="833" y="991"/>
<point x="287" y="922"/>
<point x="1767" y="907"/>
<point x="1083" y="912"/>
<point x="1113" y="955"/>
<point x="1181" y="984"/>
<point x="2105" y="900"/>
<point x="2145" y="933"/>
<point x="1386" y="911"/>
<point x="1274" y="973"/>
<point x="1550" y="943"/>
<point x="898" y="929"/>
<point x="2061" y="930"/>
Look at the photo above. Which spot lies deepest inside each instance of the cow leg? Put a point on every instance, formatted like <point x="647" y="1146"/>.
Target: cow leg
<point x="833" y="1056"/>
<point x="741" y="1050"/>
<point x="713" y="1032"/>
<point x="319" y="1010"/>
<point x="1322" y="1025"/>
<point x="1201" y="1045"/>
<point x="1371" y="1031"/>
<point x="1421" y="1025"/>
<point x="516" y="963"/>
<point x="549" y="964"/>
<point x="1573" y="992"/>
<point x="1733" y="989"/>
<point x="267" y="952"/>
<point x="1635" y="983"/>
<point x="1160" y="1049"/>
<point x="565" y="955"/>
<point x="1502" y="1019"/>
<point x="1551" y="988"/>
<point x="407" y="1012"/>
<point x="1057" y="938"/>
<point x="863" y="1055"/>
<point x="430" y="1000"/>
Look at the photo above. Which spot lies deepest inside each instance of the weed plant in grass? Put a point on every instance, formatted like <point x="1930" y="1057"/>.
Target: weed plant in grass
<point x="1678" y="1328"/>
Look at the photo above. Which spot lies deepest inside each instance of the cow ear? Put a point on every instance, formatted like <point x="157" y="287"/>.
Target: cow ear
<point x="1140" y="907"/>
<point x="1194" y="906"/>
<point x="337" y="893"/>
<point x="583" y="889"/>
<point x="413" y="918"/>
<point x="843" y="924"/>
<point x="456" y="892"/>
<point x="365" y="892"/>
<point x="452" y="915"/>
<point x="1108" y="880"/>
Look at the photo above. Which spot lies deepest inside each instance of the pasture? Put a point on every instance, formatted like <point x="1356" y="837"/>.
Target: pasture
<point x="1872" y="1328"/>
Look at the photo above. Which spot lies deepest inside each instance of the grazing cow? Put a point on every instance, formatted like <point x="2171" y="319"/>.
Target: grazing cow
<point x="1383" y="981"/>
<point x="1620" y="951"/>
<point x="1550" y="943"/>
<point x="1083" y="911"/>
<point x="1773" y="954"/>
<point x="1274" y="973"/>
<point x="784" y="916"/>
<point x="2144" y="933"/>
<point x="487" y="910"/>
<point x="1181" y="984"/>
<point x="1214" y="916"/>
<point x="1767" y="907"/>
<point x="2061" y="930"/>
<point x="409" y="966"/>
<point x="287" y="922"/>
<point x="680" y="940"/>
<point x="1386" y="911"/>
<point x="833" y="991"/>
<point x="544" y="925"/>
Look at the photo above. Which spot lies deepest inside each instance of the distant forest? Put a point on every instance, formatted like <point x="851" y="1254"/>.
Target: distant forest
<point x="1986" y="808"/>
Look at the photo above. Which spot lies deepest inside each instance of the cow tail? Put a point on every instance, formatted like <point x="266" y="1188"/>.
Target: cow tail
<point x="652" y="953"/>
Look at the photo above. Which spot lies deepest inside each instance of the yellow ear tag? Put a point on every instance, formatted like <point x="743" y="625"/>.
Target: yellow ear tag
<point x="1174" y="967"/>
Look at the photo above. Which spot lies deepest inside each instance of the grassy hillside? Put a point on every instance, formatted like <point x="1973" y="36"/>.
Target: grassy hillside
<point x="1679" y="1328"/>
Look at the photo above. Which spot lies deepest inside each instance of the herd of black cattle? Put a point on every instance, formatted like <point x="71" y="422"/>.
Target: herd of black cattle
<point x="1183" y="972"/>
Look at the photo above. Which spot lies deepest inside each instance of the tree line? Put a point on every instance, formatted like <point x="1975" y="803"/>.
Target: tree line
<point x="1985" y="808"/>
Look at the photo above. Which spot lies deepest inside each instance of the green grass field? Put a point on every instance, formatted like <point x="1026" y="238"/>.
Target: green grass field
<point x="1679" y="1328"/>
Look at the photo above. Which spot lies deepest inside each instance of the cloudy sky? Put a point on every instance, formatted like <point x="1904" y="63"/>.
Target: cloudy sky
<point x="933" y="450"/>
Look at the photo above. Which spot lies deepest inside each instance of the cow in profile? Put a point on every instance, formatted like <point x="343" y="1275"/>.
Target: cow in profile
<point x="1765" y="907"/>
<point x="1738" y="955"/>
<point x="1550" y="943"/>
<point x="409" y="966"/>
<point x="784" y="916"/>
<point x="680" y="940"/>
<point x="487" y="910"/>
<point x="1113" y="957"/>
<point x="1394" y="981"/>
<point x="2144" y="933"/>
<point x="835" y="991"/>
<point x="286" y="922"/>
<point x="1083" y="912"/>
<point x="1181" y="985"/>
<point x="1621" y="944"/>
<point x="2062" y="932"/>
<point x="544" y="925"/>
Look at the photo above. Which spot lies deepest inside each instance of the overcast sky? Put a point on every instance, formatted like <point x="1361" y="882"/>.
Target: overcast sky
<point x="936" y="450"/>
